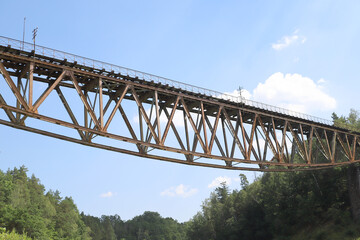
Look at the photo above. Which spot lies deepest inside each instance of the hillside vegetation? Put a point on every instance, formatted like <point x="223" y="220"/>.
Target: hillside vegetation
<point x="297" y="205"/>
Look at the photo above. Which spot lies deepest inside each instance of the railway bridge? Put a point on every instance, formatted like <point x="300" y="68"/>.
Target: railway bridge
<point x="93" y="103"/>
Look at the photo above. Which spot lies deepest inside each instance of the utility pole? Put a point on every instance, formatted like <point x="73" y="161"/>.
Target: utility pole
<point x="241" y="98"/>
<point x="34" y="37"/>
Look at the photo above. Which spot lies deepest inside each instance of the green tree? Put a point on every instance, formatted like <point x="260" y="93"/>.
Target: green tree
<point x="117" y="224"/>
<point x="13" y="236"/>
<point x="94" y="225"/>
<point x="25" y="208"/>
<point x="352" y="122"/>
<point x="108" y="230"/>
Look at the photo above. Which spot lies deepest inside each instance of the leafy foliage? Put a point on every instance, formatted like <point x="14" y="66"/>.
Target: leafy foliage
<point x="279" y="206"/>
<point x="148" y="226"/>
<point x="25" y="208"/>
<point x="12" y="236"/>
<point x="352" y="121"/>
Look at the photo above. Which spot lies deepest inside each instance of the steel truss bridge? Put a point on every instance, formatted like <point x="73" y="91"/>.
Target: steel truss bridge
<point x="101" y="105"/>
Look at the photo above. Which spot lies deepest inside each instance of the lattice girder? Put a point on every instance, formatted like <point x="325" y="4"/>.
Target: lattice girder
<point x="177" y="125"/>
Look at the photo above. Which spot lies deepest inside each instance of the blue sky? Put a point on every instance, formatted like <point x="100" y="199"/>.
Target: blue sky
<point x="302" y="55"/>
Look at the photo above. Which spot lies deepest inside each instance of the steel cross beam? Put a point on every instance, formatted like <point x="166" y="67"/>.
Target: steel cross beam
<point x="224" y="134"/>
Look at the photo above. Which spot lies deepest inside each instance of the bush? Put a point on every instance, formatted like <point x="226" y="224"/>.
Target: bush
<point x="12" y="236"/>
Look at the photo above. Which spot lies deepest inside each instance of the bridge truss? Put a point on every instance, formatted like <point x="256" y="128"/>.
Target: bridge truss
<point x="104" y="106"/>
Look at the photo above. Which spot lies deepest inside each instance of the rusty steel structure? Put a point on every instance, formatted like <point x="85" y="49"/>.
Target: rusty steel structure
<point x="101" y="105"/>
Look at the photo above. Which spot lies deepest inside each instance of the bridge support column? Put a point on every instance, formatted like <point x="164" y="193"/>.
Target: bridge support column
<point x="354" y="190"/>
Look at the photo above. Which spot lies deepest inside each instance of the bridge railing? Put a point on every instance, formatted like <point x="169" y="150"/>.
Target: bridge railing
<point x="52" y="53"/>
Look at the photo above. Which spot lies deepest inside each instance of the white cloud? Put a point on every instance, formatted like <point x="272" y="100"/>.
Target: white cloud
<point x="181" y="191"/>
<point x="294" y="92"/>
<point x="217" y="181"/>
<point x="321" y="81"/>
<point x="286" y="41"/>
<point x="107" y="195"/>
